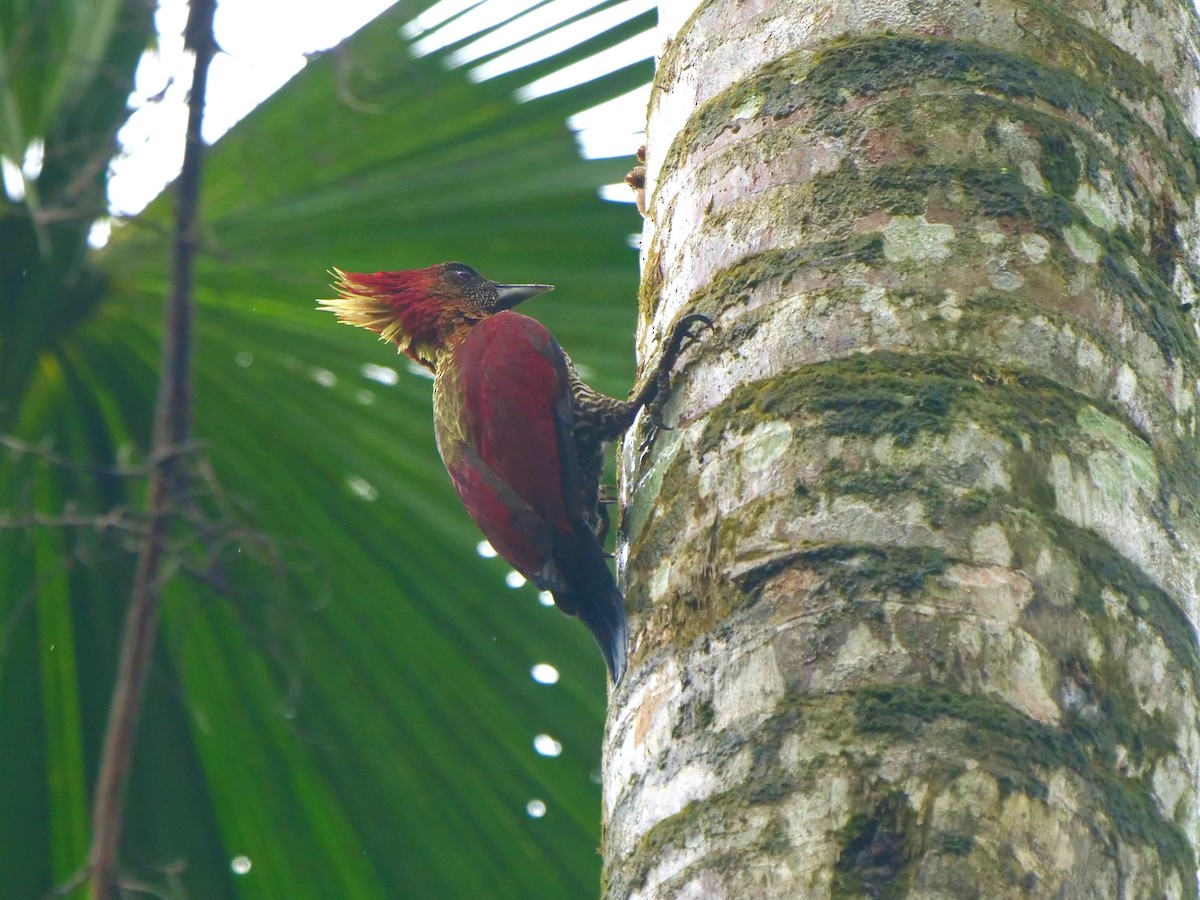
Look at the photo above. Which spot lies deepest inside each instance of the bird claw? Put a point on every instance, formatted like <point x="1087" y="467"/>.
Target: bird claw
<point x="656" y="407"/>
<point x="682" y="336"/>
<point x="648" y="439"/>
<point x="654" y="410"/>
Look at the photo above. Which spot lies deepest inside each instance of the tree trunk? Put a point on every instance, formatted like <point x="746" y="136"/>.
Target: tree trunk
<point x="914" y="582"/>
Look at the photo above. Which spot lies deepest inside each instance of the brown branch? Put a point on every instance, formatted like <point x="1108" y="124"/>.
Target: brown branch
<point x="172" y="426"/>
<point x="115" y="519"/>
<point x="69" y="886"/>
<point x="157" y="457"/>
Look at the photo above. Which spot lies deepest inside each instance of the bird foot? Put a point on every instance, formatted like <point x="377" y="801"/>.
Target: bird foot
<point x="682" y="336"/>
<point x="686" y="332"/>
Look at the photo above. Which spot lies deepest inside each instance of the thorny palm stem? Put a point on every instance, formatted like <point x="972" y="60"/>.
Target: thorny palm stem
<point x="172" y="424"/>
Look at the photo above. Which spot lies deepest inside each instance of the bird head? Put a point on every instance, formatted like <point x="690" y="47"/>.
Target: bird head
<point x="419" y="309"/>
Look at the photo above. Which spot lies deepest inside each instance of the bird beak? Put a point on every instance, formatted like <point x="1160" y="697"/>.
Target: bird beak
<point x="509" y="295"/>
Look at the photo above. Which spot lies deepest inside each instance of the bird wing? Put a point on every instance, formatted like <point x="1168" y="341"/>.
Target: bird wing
<point x="503" y="421"/>
<point x="514" y="528"/>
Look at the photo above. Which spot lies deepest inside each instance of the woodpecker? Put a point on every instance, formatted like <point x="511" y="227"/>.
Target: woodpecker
<point x="519" y="432"/>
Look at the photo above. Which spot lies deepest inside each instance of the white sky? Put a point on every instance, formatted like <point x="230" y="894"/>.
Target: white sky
<point x="264" y="42"/>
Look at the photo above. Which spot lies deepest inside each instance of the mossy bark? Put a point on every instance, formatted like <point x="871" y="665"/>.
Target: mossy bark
<point x="915" y="581"/>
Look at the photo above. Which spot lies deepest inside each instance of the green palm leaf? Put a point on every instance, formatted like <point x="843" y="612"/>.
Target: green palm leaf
<point x="342" y="691"/>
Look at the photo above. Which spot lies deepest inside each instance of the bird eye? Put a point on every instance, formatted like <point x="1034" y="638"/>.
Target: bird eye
<point x="461" y="271"/>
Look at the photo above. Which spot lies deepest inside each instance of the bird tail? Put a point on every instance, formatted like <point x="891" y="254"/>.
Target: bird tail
<point x="588" y="590"/>
<point x="583" y="585"/>
<point x="601" y="607"/>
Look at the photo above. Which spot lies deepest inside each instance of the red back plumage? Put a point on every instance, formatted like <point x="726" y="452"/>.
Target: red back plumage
<point x="516" y="410"/>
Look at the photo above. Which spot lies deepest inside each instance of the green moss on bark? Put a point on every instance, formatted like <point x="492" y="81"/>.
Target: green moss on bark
<point x="781" y="265"/>
<point x="858" y="66"/>
<point x="834" y="201"/>
<point x="1059" y="163"/>
<point x="851" y="570"/>
<point x="954" y="843"/>
<point x="1101" y="568"/>
<point x="1021" y="751"/>
<point x="878" y="849"/>
<point x="902" y="396"/>
<point x="944" y="505"/>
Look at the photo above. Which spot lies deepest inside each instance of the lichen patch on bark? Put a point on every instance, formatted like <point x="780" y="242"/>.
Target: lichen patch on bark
<point x="915" y="584"/>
